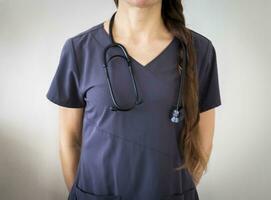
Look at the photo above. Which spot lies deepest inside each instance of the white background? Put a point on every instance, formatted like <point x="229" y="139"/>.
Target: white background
<point x="32" y="33"/>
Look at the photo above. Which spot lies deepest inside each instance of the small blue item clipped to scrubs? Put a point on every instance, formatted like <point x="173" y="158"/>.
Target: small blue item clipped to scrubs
<point x="177" y="114"/>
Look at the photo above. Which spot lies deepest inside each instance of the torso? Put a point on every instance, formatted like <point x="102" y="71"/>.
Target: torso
<point x="130" y="154"/>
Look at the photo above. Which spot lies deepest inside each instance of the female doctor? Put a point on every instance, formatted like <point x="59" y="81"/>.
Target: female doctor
<point x="137" y="96"/>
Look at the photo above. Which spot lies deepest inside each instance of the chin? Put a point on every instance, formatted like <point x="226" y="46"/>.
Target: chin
<point x="142" y="3"/>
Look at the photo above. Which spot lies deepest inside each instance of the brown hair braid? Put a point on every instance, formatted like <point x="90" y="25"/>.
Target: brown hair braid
<point x="192" y="154"/>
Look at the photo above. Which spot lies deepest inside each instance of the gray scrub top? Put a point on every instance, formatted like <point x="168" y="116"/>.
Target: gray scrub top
<point x="129" y="155"/>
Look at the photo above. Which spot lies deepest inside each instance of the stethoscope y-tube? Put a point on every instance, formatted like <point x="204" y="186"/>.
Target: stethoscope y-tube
<point x="177" y="114"/>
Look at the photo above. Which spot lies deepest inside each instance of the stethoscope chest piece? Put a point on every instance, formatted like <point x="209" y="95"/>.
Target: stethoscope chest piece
<point x="177" y="115"/>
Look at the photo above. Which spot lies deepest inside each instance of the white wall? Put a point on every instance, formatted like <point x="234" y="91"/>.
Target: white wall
<point x="32" y="33"/>
<point x="240" y="163"/>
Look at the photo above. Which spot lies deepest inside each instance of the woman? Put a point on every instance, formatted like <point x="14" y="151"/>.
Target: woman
<point x="138" y="154"/>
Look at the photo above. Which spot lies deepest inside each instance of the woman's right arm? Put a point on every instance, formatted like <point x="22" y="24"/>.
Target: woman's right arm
<point x="70" y="134"/>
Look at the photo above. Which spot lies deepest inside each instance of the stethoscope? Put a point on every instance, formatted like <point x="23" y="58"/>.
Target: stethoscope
<point x="177" y="113"/>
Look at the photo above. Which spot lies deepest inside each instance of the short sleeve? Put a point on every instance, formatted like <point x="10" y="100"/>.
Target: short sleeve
<point x="209" y="92"/>
<point x="65" y="89"/>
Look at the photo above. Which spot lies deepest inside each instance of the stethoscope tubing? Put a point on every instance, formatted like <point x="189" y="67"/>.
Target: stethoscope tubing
<point x="178" y="112"/>
<point x="127" y="59"/>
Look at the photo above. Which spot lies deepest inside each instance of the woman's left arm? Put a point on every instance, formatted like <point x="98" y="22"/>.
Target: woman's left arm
<point x="206" y="133"/>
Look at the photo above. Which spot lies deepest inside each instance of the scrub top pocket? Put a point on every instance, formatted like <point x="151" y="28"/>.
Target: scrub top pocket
<point x="190" y="194"/>
<point x="83" y="195"/>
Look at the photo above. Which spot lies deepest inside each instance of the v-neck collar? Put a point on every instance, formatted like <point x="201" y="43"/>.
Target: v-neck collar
<point x="153" y="60"/>
<point x="107" y="41"/>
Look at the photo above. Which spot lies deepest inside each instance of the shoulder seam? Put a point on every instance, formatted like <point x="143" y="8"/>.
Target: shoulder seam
<point x="76" y="64"/>
<point x="201" y="35"/>
<point x="74" y="54"/>
<point x="88" y="31"/>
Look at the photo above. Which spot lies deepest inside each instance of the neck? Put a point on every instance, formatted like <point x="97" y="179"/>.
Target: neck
<point x="138" y="23"/>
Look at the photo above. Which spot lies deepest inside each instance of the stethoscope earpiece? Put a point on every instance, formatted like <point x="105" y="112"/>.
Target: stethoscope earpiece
<point x="140" y="101"/>
<point x="113" y="108"/>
